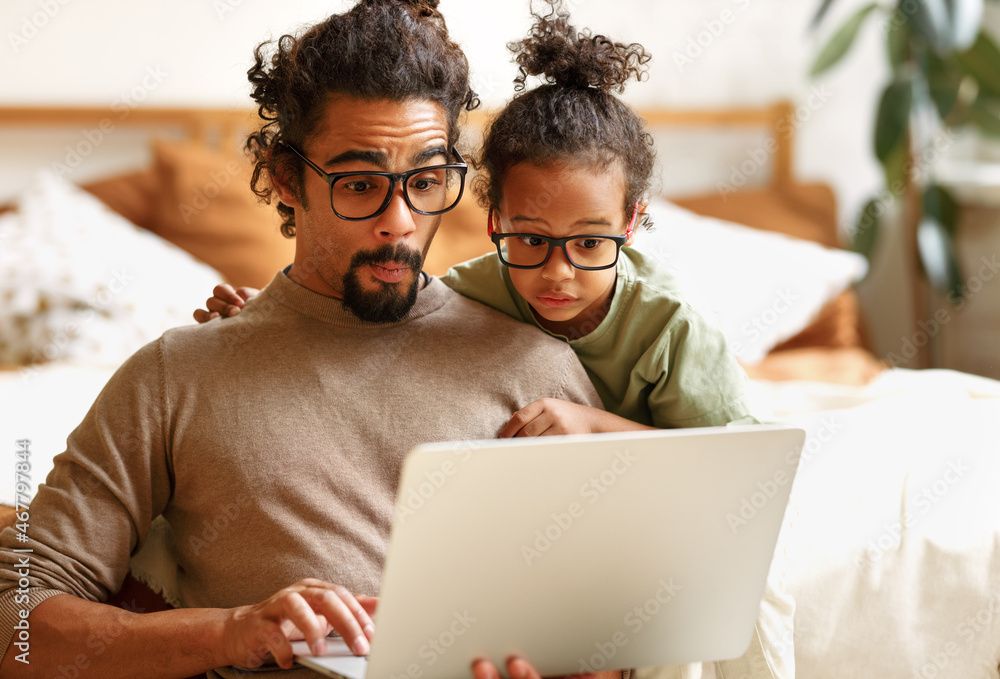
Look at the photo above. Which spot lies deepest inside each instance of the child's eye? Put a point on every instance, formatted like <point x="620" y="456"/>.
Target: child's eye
<point x="532" y="241"/>
<point x="590" y="243"/>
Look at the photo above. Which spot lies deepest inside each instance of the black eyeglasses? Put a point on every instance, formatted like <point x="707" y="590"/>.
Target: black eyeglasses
<point x="589" y="251"/>
<point x="360" y="195"/>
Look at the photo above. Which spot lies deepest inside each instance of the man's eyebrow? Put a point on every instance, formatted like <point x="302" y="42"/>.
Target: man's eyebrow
<point x="422" y="157"/>
<point x="376" y="158"/>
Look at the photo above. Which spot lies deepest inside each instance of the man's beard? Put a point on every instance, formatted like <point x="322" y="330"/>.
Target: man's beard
<point x="389" y="303"/>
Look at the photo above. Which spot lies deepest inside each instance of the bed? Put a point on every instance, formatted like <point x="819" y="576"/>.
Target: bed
<point x="891" y="542"/>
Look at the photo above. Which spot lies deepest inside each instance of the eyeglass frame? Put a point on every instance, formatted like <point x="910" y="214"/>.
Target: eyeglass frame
<point x="620" y="241"/>
<point x="402" y="177"/>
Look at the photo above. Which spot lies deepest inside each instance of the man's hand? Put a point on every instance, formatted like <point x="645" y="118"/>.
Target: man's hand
<point x="519" y="668"/>
<point x="308" y="610"/>
<point x="225" y="302"/>
<point x="551" y="417"/>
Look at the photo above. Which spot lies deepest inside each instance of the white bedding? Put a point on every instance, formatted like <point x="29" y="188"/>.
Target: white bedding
<point x="891" y="542"/>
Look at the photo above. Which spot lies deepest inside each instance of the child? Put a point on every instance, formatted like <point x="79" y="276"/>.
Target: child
<point x="563" y="172"/>
<point x="569" y="160"/>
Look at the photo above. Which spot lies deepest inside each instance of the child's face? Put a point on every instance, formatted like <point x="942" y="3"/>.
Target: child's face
<point x="563" y="200"/>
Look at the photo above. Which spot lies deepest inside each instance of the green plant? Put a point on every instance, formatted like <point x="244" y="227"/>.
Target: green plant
<point x="945" y="76"/>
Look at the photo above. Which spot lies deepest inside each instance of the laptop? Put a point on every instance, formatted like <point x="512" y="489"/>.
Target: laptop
<point x="579" y="553"/>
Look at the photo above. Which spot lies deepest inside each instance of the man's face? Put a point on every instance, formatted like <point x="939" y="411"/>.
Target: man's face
<point x="373" y="265"/>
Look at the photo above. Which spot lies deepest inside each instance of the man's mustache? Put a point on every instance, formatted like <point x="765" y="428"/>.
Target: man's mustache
<point x="387" y="253"/>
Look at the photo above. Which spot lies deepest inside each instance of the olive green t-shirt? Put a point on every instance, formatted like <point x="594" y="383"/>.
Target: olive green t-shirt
<point x="653" y="359"/>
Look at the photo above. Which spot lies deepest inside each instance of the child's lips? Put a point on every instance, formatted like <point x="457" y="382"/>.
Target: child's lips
<point x="555" y="300"/>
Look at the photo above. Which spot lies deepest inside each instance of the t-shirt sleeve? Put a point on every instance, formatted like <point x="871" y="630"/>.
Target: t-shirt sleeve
<point x="482" y="279"/>
<point x="696" y="381"/>
<point x="96" y="505"/>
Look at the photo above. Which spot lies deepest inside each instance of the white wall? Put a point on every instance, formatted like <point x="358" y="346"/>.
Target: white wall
<point x="196" y="52"/>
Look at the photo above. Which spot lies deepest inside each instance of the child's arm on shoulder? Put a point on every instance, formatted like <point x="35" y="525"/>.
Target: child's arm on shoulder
<point x="552" y="417"/>
<point x="225" y="302"/>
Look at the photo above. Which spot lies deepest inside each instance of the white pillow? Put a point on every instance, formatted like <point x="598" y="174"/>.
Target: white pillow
<point x="763" y="287"/>
<point x="80" y="282"/>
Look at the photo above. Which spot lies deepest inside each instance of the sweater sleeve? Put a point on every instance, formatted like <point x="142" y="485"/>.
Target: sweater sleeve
<point x="576" y="385"/>
<point x="96" y="506"/>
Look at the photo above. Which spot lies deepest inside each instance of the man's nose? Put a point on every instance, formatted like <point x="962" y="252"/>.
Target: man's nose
<point x="396" y="223"/>
<point x="558" y="268"/>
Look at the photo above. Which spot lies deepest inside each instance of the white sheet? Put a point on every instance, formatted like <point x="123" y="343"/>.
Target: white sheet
<point x="891" y="540"/>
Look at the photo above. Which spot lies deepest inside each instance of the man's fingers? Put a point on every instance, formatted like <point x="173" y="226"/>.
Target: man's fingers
<point x="349" y="621"/>
<point x="298" y="611"/>
<point x="369" y="603"/>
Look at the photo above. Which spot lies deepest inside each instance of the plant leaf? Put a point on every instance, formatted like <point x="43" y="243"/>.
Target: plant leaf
<point x="966" y="20"/>
<point x="897" y="38"/>
<point x="866" y="230"/>
<point x="937" y="256"/>
<point x="940" y="205"/>
<point x="894" y="170"/>
<point x="943" y="81"/>
<point x="820" y="13"/>
<point x="893" y="117"/>
<point x="982" y="61"/>
<point x="948" y="25"/>
<point x="985" y="119"/>
<point x="841" y="41"/>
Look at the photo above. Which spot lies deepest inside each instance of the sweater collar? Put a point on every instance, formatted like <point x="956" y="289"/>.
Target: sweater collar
<point x="286" y="292"/>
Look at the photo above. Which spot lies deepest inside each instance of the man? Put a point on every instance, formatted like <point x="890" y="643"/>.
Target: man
<point x="291" y="420"/>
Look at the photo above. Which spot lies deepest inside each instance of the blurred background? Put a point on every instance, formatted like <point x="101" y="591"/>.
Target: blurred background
<point x="707" y="54"/>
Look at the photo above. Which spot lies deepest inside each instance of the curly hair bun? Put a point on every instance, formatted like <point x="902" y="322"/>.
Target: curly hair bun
<point x="562" y="56"/>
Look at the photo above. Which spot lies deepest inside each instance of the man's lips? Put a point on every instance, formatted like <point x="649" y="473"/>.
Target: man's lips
<point x="389" y="272"/>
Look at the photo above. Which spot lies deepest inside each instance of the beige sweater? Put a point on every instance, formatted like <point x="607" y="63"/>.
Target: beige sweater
<point x="272" y="444"/>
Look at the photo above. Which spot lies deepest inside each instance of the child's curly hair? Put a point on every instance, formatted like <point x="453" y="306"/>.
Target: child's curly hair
<point x="574" y="115"/>
<point x="380" y="49"/>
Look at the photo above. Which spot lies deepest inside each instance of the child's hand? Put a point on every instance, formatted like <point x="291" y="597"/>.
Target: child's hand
<point x="226" y="302"/>
<point x="551" y="417"/>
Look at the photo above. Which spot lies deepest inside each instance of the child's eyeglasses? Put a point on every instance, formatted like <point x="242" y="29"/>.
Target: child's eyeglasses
<point x="357" y="196"/>
<point x="589" y="251"/>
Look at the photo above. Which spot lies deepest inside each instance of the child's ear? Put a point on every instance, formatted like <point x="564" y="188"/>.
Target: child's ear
<point x="640" y="212"/>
